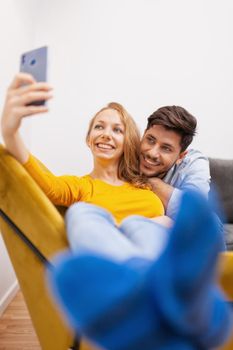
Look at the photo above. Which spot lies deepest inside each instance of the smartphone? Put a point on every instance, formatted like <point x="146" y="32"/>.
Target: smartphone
<point x="35" y="63"/>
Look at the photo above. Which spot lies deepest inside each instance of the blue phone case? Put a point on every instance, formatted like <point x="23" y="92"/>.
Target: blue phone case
<point x="35" y="63"/>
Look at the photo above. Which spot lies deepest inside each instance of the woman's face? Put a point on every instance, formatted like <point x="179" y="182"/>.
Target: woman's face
<point x="106" y="138"/>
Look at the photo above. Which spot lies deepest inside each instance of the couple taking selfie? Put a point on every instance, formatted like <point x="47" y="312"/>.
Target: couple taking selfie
<point x="141" y="269"/>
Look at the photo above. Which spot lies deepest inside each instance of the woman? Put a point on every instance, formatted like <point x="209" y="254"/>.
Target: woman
<point x="113" y="184"/>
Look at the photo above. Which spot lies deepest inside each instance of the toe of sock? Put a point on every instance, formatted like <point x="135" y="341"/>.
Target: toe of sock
<point x="89" y="287"/>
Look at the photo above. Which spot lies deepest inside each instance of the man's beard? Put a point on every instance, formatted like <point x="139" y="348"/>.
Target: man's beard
<point x="159" y="175"/>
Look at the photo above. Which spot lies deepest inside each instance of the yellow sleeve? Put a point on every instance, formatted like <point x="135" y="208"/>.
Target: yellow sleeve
<point x="61" y="190"/>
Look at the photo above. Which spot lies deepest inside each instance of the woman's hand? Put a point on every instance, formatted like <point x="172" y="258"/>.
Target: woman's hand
<point x="22" y="91"/>
<point x="163" y="220"/>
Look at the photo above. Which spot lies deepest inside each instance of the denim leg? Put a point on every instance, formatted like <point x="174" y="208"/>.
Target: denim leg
<point x="148" y="236"/>
<point x="91" y="228"/>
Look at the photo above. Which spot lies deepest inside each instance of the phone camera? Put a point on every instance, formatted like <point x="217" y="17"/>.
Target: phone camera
<point x="23" y="59"/>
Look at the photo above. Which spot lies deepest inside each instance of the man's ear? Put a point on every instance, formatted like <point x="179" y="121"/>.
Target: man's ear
<point x="181" y="157"/>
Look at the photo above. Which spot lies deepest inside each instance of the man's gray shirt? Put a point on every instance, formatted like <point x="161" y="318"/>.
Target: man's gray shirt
<point x="192" y="173"/>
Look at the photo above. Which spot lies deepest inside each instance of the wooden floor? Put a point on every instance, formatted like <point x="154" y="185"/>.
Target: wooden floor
<point x="16" y="330"/>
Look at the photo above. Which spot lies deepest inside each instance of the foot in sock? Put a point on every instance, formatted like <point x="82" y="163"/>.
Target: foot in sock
<point x="110" y="304"/>
<point x="184" y="278"/>
<point x="174" y="301"/>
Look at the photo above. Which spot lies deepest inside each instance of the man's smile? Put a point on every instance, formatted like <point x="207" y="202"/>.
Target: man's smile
<point x="147" y="161"/>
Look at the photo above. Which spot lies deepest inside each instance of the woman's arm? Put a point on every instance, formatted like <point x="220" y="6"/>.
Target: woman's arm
<point x="22" y="91"/>
<point x="61" y="190"/>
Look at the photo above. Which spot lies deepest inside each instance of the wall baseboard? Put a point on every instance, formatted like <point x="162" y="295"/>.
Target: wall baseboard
<point x="9" y="295"/>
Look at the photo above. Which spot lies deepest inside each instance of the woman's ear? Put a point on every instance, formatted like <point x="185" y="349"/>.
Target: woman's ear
<point x="88" y="142"/>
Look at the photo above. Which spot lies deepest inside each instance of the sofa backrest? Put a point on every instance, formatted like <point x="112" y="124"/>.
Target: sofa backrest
<point x="221" y="172"/>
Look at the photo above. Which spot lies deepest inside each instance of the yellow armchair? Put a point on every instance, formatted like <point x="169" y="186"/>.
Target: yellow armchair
<point x="33" y="213"/>
<point x="42" y="223"/>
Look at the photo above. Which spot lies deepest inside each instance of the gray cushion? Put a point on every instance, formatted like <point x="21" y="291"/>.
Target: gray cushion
<point x="221" y="172"/>
<point x="228" y="234"/>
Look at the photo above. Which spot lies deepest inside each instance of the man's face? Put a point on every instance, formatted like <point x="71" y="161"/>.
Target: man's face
<point x="160" y="150"/>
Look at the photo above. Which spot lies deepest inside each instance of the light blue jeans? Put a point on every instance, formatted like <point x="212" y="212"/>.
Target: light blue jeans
<point x="91" y="228"/>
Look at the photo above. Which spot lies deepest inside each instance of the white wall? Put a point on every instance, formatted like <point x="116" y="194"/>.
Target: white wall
<point x="142" y="53"/>
<point x="16" y="35"/>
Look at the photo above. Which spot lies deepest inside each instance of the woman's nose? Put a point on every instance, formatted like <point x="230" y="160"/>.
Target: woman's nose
<point x="106" y="133"/>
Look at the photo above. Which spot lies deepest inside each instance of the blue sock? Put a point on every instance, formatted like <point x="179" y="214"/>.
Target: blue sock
<point x="111" y="304"/>
<point x="183" y="278"/>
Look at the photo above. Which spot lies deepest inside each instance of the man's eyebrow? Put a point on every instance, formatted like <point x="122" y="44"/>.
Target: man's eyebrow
<point x="152" y="136"/>
<point x="168" y="145"/>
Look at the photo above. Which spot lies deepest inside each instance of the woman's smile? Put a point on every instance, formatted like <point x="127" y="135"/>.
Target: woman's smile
<point x="105" y="146"/>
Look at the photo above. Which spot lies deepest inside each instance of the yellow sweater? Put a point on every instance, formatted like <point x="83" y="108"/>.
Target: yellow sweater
<point x="121" y="201"/>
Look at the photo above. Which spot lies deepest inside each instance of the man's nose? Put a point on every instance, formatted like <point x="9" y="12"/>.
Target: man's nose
<point x="154" y="152"/>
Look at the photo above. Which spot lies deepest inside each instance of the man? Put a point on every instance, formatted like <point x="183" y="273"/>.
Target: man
<point x="167" y="162"/>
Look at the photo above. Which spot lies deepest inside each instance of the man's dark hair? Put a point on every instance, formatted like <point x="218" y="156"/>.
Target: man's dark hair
<point x="177" y="119"/>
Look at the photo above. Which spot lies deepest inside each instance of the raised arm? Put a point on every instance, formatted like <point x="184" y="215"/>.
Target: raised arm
<point x="163" y="190"/>
<point x="61" y="190"/>
<point x="22" y="91"/>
